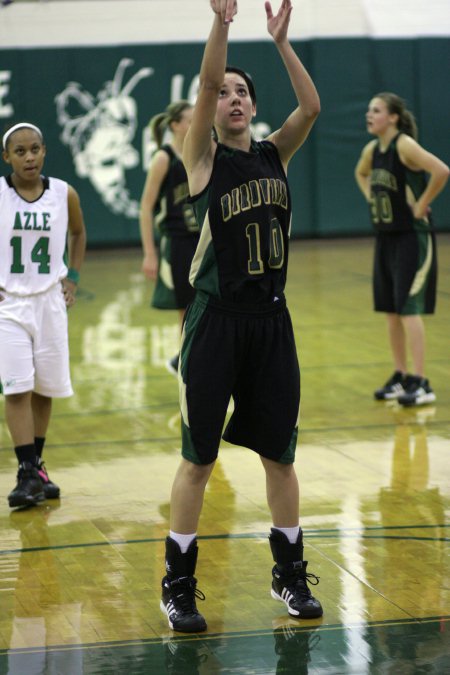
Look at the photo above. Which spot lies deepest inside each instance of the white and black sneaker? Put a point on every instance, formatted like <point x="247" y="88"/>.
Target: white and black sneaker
<point x="289" y="584"/>
<point x="417" y="392"/>
<point x="178" y="603"/>
<point x="179" y="589"/>
<point x="393" y="388"/>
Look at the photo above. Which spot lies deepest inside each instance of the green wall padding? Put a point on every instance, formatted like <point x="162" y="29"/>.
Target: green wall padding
<point x="102" y="152"/>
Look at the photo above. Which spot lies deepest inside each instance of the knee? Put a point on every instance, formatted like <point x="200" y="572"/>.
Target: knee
<point x="196" y="474"/>
<point x="286" y="472"/>
<point x="18" y="399"/>
<point x="41" y="398"/>
<point x="278" y="469"/>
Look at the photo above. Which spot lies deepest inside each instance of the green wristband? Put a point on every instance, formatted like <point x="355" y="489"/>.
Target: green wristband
<point x="73" y="275"/>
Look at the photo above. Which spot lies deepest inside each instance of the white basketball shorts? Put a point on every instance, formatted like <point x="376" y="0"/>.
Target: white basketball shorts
<point x="34" y="344"/>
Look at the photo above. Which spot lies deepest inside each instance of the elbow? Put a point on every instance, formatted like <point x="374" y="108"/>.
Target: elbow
<point x="441" y="176"/>
<point x="312" y="112"/>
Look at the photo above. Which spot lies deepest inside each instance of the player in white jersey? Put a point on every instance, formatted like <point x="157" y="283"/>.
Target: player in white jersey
<point x="41" y="220"/>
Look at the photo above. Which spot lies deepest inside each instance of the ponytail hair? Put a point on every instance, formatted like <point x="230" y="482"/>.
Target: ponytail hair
<point x="397" y="106"/>
<point x="162" y="121"/>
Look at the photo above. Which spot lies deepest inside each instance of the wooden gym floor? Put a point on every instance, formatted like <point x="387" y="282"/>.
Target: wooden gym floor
<point x="80" y="577"/>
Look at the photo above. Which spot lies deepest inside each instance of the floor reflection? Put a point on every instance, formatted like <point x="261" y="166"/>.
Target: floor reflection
<point x="42" y="612"/>
<point x="412" y="648"/>
<point x="294" y="647"/>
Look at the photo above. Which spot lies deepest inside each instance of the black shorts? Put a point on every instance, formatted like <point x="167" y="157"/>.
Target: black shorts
<point x="172" y="289"/>
<point x="405" y="272"/>
<point x="247" y="353"/>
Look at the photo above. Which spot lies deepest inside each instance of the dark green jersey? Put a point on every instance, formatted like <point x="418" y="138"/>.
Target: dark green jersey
<point x="173" y="213"/>
<point x="244" y="214"/>
<point x="393" y="189"/>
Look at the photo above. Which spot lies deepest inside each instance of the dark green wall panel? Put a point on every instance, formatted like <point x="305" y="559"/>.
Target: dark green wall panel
<point x="107" y="128"/>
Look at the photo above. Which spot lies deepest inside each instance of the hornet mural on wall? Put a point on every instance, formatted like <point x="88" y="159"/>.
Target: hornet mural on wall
<point x="100" y="135"/>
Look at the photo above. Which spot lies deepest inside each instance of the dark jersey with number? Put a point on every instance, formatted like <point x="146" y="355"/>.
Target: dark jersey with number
<point x="394" y="189"/>
<point x="244" y="214"/>
<point x="173" y="214"/>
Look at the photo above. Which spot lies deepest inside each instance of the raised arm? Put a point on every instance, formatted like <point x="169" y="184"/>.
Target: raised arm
<point x="297" y="126"/>
<point x="199" y="148"/>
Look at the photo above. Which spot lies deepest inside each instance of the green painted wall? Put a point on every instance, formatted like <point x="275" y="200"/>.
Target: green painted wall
<point x="94" y="111"/>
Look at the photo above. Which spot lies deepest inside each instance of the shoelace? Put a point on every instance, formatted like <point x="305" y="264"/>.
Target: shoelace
<point x="189" y="591"/>
<point x="302" y="588"/>
<point x="300" y="580"/>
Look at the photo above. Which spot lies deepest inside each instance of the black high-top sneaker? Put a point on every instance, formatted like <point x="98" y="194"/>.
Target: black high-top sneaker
<point x="51" y="490"/>
<point x="29" y="489"/>
<point x="289" y="577"/>
<point x="179" y="589"/>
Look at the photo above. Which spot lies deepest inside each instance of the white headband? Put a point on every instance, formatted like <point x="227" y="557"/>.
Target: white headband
<point x="21" y="125"/>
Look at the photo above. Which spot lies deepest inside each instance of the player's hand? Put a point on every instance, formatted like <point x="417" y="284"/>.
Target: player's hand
<point x="150" y="266"/>
<point x="69" y="289"/>
<point x="420" y="212"/>
<point x="278" y="25"/>
<point x="226" y="8"/>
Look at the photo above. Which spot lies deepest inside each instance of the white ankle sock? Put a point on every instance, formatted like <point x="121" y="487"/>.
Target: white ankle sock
<point x="290" y="532"/>
<point x="183" y="540"/>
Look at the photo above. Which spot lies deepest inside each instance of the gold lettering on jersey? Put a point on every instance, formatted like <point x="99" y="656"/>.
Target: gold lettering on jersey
<point x="246" y="202"/>
<point x="264" y="183"/>
<point x="252" y="194"/>
<point x="235" y="201"/>
<point x="384" y="178"/>
<point x="31" y="220"/>
<point x="180" y="193"/>
<point x="255" y="193"/>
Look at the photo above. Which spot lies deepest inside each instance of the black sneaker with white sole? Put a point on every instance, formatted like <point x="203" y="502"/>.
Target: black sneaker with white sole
<point x="417" y="392"/>
<point x="290" y="579"/>
<point x="179" y="589"/>
<point x="178" y="603"/>
<point x="393" y="388"/>
<point x="290" y="585"/>
<point x="29" y="490"/>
